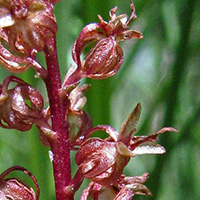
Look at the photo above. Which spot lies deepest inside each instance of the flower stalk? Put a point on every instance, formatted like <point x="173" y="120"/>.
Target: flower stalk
<point x="59" y="145"/>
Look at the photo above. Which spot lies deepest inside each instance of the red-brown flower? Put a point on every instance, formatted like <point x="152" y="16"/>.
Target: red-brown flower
<point x="106" y="57"/>
<point x="25" y="25"/>
<point x="127" y="188"/>
<point x="103" y="161"/>
<point x="15" y="111"/>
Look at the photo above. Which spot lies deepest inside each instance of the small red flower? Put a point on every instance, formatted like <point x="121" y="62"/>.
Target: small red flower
<point x="15" y="113"/>
<point x="103" y="161"/>
<point x="127" y="188"/>
<point x="25" y="26"/>
<point x="100" y="161"/>
<point x="106" y="57"/>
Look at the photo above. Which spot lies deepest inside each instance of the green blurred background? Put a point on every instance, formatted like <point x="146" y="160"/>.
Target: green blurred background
<point x="160" y="71"/>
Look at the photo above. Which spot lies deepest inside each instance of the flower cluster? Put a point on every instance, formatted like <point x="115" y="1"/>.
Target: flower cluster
<point x="103" y="161"/>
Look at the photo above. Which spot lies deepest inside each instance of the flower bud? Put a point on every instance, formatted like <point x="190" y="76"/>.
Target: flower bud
<point x="100" y="161"/>
<point x="14" y="189"/>
<point x="104" y="60"/>
<point x="15" y="113"/>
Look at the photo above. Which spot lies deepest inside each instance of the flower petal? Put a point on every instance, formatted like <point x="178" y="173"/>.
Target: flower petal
<point x="87" y="35"/>
<point x="138" y="140"/>
<point x="149" y="148"/>
<point x="131" y="122"/>
<point x="15" y="189"/>
<point x="15" y="110"/>
<point x="86" y="192"/>
<point x="12" y="63"/>
<point x="103" y="60"/>
<point x="125" y="194"/>
<point x="76" y="97"/>
<point x="139" y="189"/>
<point x="136" y="179"/>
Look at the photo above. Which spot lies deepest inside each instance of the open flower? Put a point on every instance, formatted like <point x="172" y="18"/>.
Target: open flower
<point x="25" y="25"/>
<point x="103" y="161"/>
<point x="106" y="57"/>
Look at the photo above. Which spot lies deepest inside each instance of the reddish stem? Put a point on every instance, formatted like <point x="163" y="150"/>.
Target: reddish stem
<point x="74" y="184"/>
<point x="59" y="146"/>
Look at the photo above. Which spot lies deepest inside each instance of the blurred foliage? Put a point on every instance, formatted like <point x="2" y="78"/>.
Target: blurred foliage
<point x="161" y="71"/>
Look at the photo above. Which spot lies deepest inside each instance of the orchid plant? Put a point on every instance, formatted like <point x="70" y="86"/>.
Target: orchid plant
<point x="28" y="27"/>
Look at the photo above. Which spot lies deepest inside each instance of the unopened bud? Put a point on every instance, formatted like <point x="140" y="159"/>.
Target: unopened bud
<point x="104" y="60"/>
